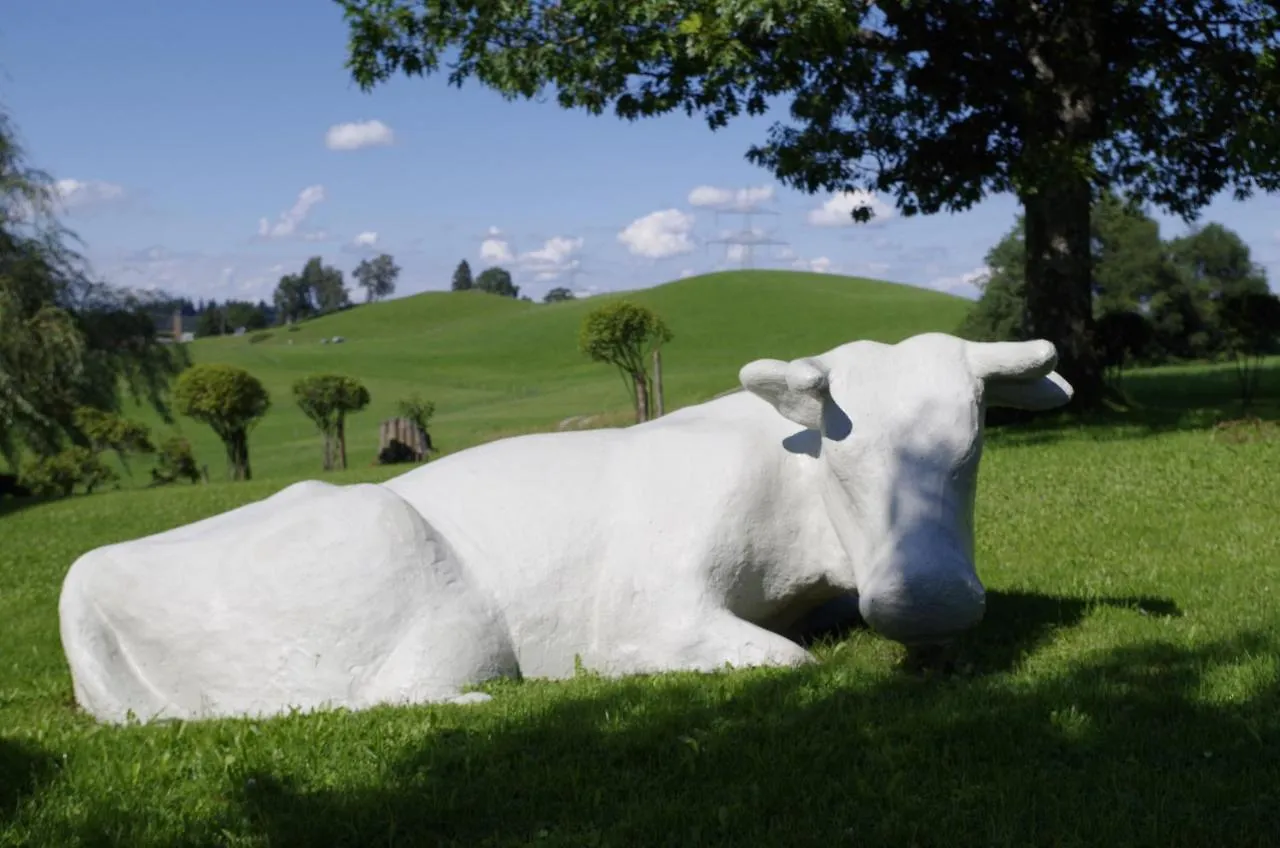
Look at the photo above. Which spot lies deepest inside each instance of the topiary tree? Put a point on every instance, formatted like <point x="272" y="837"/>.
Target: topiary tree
<point x="327" y="399"/>
<point x="228" y="399"/>
<point x="626" y="335"/>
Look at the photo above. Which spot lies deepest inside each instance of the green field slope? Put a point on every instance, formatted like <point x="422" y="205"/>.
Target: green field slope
<point x="495" y="366"/>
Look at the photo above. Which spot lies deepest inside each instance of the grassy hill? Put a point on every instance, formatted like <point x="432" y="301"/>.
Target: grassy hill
<point x="496" y="366"/>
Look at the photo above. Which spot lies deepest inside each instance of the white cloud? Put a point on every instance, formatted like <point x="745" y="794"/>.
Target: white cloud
<point x="288" y="223"/>
<point x="80" y="193"/>
<point x="969" y="284"/>
<point x="784" y="253"/>
<point x="837" y="211"/>
<point x="687" y="272"/>
<point x="821" y="265"/>
<point x="496" y="250"/>
<point x="556" y="256"/>
<point x="735" y="253"/>
<point x="659" y="235"/>
<point x="358" y="134"/>
<point x="726" y="199"/>
<point x="365" y="239"/>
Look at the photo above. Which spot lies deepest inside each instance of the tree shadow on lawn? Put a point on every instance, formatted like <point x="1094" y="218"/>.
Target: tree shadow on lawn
<point x="1016" y="624"/>
<point x="1155" y="402"/>
<point x="24" y="768"/>
<point x="1122" y="747"/>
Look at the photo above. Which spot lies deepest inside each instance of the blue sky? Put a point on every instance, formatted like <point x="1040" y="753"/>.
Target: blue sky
<point x="209" y="146"/>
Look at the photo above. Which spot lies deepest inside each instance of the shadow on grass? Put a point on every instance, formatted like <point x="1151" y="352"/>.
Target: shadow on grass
<point x="1124" y="748"/>
<point x="1016" y="625"/>
<point x="1154" y="401"/>
<point x="23" y="770"/>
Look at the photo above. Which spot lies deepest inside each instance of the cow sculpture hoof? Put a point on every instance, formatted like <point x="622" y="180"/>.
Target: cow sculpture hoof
<point x="691" y="542"/>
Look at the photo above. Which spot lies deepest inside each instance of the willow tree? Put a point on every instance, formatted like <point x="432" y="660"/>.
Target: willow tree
<point x="933" y="103"/>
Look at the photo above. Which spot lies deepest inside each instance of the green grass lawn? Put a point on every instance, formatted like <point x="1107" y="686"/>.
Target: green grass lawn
<point x="1124" y="688"/>
<point x="496" y="366"/>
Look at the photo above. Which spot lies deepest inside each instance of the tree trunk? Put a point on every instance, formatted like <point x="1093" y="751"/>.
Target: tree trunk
<point x="642" y="398"/>
<point x="238" y="455"/>
<point x="1059" y="293"/>
<point x="328" y="450"/>
<point x="342" y="442"/>
<point x="658" y="400"/>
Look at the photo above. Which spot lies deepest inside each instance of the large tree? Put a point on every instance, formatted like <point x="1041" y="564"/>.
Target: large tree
<point x="935" y="103"/>
<point x="326" y="285"/>
<point x="377" y="276"/>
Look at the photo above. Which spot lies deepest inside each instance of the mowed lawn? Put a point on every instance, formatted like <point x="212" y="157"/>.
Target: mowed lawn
<point x="496" y="366"/>
<point x="1124" y="689"/>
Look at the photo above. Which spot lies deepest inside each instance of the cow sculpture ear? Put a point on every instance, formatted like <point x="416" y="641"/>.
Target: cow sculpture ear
<point x="796" y="389"/>
<point x="1019" y="375"/>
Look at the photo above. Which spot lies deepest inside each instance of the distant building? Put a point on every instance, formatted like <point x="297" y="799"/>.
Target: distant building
<point x="174" y="326"/>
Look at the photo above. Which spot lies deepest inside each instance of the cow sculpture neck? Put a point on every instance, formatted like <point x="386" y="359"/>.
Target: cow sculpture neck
<point x="688" y="542"/>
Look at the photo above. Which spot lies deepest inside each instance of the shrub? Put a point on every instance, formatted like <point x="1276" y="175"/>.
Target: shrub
<point x="58" y="475"/>
<point x="176" y="461"/>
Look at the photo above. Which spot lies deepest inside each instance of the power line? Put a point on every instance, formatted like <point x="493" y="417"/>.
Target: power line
<point x="748" y="238"/>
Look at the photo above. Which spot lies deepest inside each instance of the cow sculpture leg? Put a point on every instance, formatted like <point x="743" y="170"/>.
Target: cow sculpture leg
<point x="703" y="642"/>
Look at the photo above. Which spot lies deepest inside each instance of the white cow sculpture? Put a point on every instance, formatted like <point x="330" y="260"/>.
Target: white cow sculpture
<point x="688" y="542"/>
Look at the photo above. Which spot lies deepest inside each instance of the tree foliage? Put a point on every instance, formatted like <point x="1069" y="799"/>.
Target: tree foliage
<point x="57" y="475"/>
<point x="497" y="281"/>
<point x="377" y="276"/>
<point x="418" y="410"/>
<point x="1250" y="321"/>
<point x="317" y="289"/>
<point x="559" y="294"/>
<point x="67" y="339"/>
<point x="216" y="319"/>
<point x="462" y="280"/>
<point x="625" y="334"/>
<point x="231" y="401"/>
<point x="1154" y="300"/>
<point x="111" y="431"/>
<point x="327" y="399"/>
<point x="935" y="104"/>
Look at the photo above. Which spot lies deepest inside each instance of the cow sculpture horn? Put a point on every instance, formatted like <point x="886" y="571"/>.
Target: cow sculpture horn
<point x="1019" y="361"/>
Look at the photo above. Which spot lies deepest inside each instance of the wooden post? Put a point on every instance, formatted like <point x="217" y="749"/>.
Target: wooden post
<point x="659" y="402"/>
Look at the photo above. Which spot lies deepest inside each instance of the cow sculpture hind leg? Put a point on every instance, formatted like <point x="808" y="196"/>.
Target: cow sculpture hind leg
<point x="319" y="596"/>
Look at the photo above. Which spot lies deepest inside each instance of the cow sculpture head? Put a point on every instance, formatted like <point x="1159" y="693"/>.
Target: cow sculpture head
<point x="898" y="432"/>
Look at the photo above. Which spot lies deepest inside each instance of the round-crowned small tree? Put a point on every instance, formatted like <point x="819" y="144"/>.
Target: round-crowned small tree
<point x="228" y="399"/>
<point x="626" y="335"/>
<point x="327" y="399"/>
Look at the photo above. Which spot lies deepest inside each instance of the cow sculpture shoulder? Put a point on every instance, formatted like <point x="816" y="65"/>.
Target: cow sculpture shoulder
<point x="686" y="543"/>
